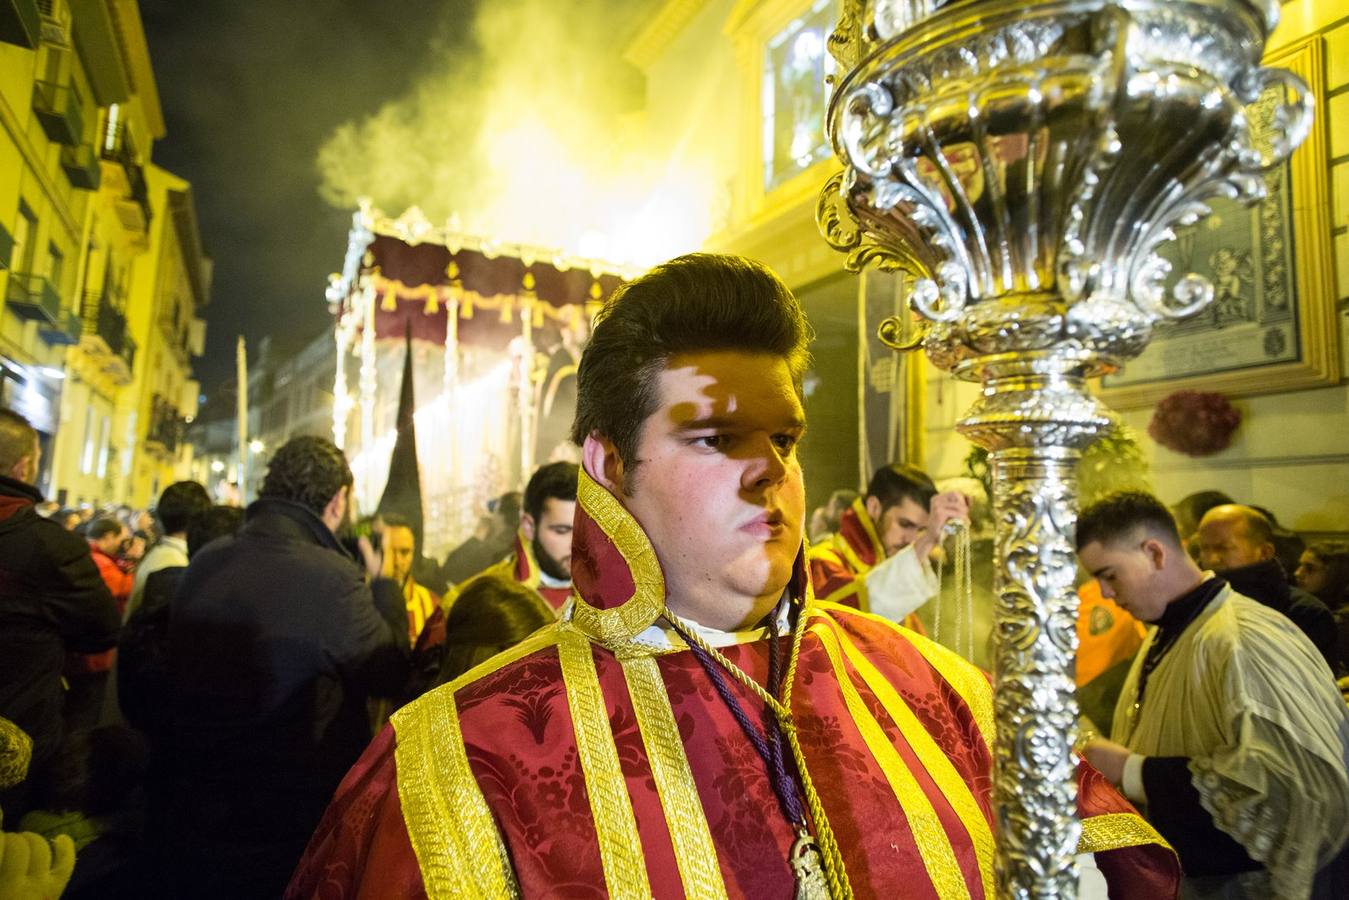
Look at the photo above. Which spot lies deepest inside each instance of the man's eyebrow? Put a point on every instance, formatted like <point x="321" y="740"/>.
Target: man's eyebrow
<point x="795" y="423"/>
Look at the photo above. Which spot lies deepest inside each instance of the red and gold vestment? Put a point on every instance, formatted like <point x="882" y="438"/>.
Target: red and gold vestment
<point x="840" y="566"/>
<point x="596" y="759"/>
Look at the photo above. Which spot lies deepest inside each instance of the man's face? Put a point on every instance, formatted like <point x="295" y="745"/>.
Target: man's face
<point x="401" y="546"/>
<point x="551" y="536"/>
<point x="28" y="466"/>
<point x="113" y="544"/>
<point x="719" y="490"/>
<point x="1311" y="572"/>
<point x="1227" y="544"/>
<point x="899" y="525"/>
<point x="1128" y="574"/>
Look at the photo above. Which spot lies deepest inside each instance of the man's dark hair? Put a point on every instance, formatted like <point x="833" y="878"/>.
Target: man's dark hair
<point x="555" y="481"/>
<point x="895" y="483"/>
<point x="180" y="505"/>
<point x="307" y="470"/>
<point x="18" y="438"/>
<point x="1117" y="515"/>
<point x="694" y="304"/>
<point x="103" y="526"/>
<point x="216" y="522"/>
<point x="395" y="520"/>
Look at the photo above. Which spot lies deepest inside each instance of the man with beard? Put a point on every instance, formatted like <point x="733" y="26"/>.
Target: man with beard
<point x="880" y="559"/>
<point x="696" y="723"/>
<point x="541" y="559"/>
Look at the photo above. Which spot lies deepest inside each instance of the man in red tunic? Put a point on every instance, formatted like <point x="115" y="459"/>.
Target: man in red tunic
<point x="697" y="724"/>
<point x="541" y="559"/>
<point x="879" y="561"/>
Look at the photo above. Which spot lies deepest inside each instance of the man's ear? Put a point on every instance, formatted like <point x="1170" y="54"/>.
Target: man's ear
<point x="873" y="507"/>
<point x="22" y="469"/>
<point x="527" y="526"/>
<point x="600" y="458"/>
<point x="336" y="509"/>
<point x="1157" y="553"/>
<point x="1266" y="551"/>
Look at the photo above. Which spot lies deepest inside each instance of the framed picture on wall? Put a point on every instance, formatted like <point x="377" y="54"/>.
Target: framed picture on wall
<point x="1272" y="324"/>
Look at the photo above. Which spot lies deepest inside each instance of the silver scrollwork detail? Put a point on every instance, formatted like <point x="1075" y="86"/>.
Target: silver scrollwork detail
<point x="1027" y="161"/>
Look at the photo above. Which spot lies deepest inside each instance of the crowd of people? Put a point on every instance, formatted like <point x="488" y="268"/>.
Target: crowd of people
<point x="646" y="673"/>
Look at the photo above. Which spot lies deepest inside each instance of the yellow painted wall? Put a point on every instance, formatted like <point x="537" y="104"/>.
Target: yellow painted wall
<point x="1290" y="454"/>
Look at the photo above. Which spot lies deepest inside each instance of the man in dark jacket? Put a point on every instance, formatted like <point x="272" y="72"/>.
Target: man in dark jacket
<point x="1237" y="542"/>
<point x="52" y="601"/>
<point x="276" y="638"/>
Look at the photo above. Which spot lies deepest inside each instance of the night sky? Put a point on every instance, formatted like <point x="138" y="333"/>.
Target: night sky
<point x="254" y="91"/>
<point x="250" y="91"/>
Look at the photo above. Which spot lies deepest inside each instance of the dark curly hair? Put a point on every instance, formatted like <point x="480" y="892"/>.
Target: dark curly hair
<point x="1119" y="514"/>
<point x="181" y="504"/>
<point x="307" y="470"/>
<point x="696" y="303"/>
<point x="555" y="481"/>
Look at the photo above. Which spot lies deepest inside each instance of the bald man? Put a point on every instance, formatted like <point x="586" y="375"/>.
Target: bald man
<point x="1237" y="542"/>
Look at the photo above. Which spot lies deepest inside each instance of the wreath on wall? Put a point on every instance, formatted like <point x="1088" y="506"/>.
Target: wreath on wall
<point x="1196" y="423"/>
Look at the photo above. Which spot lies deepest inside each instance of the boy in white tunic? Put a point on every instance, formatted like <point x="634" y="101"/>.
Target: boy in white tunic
<point x="1229" y="732"/>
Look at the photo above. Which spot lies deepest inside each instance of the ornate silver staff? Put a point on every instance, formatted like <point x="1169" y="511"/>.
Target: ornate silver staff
<point x="1024" y="160"/>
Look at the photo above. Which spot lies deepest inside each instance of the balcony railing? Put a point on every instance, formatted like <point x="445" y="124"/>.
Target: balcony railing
<point x="33" y="297"/>
<point x="82" y="166"/>
<point x="118" y="147"/>
<point x="58" y="109"/>
<point x="166" y="425"/>
<point x="103" y="320"/>
<point x="105" y="336"/>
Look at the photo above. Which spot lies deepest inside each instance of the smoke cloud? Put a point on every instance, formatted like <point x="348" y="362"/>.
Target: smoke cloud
<point x="533" y="134"/>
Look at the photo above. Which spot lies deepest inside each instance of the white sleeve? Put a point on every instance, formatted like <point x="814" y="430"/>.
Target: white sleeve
<point x="900" y="584"/>
<point x="1132" y="782"/>
<point x="1091" y="883"/>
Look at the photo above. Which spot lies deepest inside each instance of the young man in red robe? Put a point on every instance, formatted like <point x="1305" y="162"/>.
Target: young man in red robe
<point x="879" y="561"/>
<point x="541" y="559"/>
<point x="697" y="724"/>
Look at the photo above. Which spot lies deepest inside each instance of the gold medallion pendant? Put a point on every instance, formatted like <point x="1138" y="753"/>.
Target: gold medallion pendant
<point x="808" y="869"/>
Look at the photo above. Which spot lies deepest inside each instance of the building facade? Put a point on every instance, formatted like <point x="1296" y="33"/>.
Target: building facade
<point x="104" y="272"/>
<point x="740" y="89"/>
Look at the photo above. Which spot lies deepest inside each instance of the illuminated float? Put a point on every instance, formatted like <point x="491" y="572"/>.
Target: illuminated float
<point x="495" y="331"/>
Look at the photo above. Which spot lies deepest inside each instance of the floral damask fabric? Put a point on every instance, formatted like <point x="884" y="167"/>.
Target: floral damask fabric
<point x="519" y="733"/>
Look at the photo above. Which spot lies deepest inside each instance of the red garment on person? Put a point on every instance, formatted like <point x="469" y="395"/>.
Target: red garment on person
<point x="593" y="760"/>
